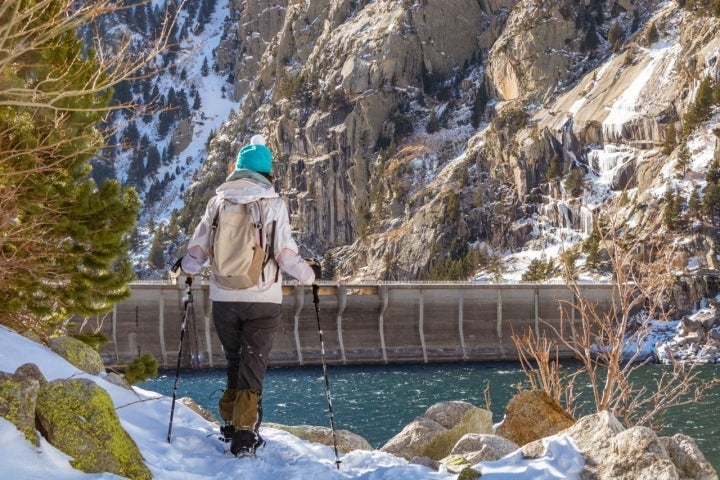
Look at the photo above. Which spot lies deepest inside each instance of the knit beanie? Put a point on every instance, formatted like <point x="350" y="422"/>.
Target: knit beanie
<point x="256" y="156"/>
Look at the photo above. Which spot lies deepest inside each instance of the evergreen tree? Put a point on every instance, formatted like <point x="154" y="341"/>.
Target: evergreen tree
<point x="711" y="203"/>
<point x="183" y="105"/>
<point x="711" y="199"/>
<point x="713" y="173"/>
<point x="479" y="106"/>
<point x="700" y="109"/>
<point x="694" y="205"/>
<point x="204" y="68"/>
<point x="574" y="181"/>
<point x="64" y="248"/>
<point x="432" y="123"/>
<point x="670" y="138"/>
<point x="671" y="212"/>
<point x="683" y="160"/>
<point x="591" y="246"/>
<point x="130" y="136"/>
<point x="153" y="158"/>
<point x="329" y="266"/>
<point x="716" y="93"/>
<point x="538" y="269"/>
<point x="615" y="35"/>
<point x="703" y="100"/>
<point x="156" y="257"/>
<point x="555" y="167"/>
<point x="590" y="41"/>
<point x="652" y="34"/>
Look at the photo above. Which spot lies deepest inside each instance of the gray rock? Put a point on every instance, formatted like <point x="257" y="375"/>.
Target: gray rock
<point x="78" y="418"/>
<point x="688" y="459"/>
<point x="117" y="379"/>
<point x="612" y="452"/>
<point x="478" y="447"/>
<point x="448" y="414"/>
<point x="203" y="412"/>
<point x="346" y="441"/>
<point x="31" y="370"/>
<point x="78" y="353"/>
<point x="426" y="436"/>
<point x="426" y="462"/>
<point x="18" y="396"/>
<point x="411" y="441"/>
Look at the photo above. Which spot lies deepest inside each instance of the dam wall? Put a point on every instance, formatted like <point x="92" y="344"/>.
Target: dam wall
<point x="368" y="323"/>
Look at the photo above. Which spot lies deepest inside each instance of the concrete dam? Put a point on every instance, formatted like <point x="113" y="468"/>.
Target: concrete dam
<point x="385" y="322"/>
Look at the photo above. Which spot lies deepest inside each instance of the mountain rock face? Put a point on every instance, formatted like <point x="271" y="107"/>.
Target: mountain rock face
<point x="406" y="132"/>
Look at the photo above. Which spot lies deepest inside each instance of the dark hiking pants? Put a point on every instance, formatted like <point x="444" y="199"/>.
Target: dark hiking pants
<point x="246" y="331"/>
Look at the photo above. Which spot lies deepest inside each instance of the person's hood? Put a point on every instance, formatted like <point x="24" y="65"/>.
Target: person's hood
<point x="246" y="188"/>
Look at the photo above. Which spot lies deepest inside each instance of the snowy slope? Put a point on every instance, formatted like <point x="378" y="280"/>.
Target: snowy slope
<point x="195" y="453"/>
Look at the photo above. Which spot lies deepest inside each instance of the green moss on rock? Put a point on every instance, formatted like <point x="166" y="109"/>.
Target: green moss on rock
<point x="469" y="474"/>
<point x="78" y="353"/>
<point x="18" y="395"/>
<point x="78" y="418"/>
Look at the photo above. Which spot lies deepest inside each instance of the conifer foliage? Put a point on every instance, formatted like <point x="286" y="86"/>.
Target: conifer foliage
<point x="63" y="239"/>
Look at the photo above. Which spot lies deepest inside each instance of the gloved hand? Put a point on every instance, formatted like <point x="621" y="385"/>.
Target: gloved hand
<point x="317" y="270"/>
<point x="176" y="269"/>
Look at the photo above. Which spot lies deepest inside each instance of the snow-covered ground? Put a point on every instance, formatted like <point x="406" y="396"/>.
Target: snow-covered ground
<point x="195" y="453"/>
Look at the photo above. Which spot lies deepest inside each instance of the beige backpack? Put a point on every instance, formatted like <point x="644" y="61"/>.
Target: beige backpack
<point x="239" y="248"/>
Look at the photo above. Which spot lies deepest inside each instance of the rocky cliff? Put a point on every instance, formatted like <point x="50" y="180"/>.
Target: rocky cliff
<point x="408" y="134"/>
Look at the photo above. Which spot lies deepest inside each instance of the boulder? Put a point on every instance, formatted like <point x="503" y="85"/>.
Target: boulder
<point x="18" y="395"/>
<point x="31" y="370"/>
<point x="448" y="414"/>
<point x="687" y="458"/>
<point x="479" y="447"/>
<point x="706" y="317"/>
<point x="426" y="462"/>
<point x="532" y="415"/>
<point x="715" y="334"/>
<point x="436" y="432"/>
<point x="475" y="420"/>
<point x="118" y="380"/>
<point x="78" y="353"/>
<point x="199" y="409"/>
<point x="636" y="454"/>
<point x="612" y="452"/>
<point x="410" y="442"/>
<point x="346" y="441"/>
<point x="78" y="418"/>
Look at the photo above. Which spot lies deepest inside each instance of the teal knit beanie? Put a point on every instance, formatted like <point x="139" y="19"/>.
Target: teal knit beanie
<point x="256" y="157"/>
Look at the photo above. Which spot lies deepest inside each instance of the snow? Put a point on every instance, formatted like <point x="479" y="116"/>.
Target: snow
<point x="625" y="107"/>
<point x="195" y="453"/>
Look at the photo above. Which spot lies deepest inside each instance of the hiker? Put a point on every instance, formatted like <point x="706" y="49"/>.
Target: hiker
<point x="246" y="318"/>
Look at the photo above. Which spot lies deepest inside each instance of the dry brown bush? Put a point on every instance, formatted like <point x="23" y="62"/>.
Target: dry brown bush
<point x="607" y="342"/>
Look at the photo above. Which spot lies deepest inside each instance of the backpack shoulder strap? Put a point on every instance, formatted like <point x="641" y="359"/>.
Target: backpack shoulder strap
<point x="271" y="251"/>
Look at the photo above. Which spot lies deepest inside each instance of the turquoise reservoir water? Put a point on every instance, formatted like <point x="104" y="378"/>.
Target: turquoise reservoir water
<point x="377" y="401"/>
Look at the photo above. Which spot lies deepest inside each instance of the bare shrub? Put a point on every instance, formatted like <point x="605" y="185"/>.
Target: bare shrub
<point x="608" y="341"/>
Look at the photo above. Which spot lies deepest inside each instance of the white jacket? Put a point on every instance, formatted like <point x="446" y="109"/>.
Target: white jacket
<point x="246" y="190"/>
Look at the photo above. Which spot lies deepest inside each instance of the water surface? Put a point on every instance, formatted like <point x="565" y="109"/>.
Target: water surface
<point x="377" y="401"/>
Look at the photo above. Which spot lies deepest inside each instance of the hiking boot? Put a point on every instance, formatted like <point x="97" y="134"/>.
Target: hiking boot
<point x="227" y="431"/>
<point x="245" y="442"/>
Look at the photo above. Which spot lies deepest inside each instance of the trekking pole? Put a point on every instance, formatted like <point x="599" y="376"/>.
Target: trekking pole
<point x="187" y="301"/>
<point x="316" y="301"/>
